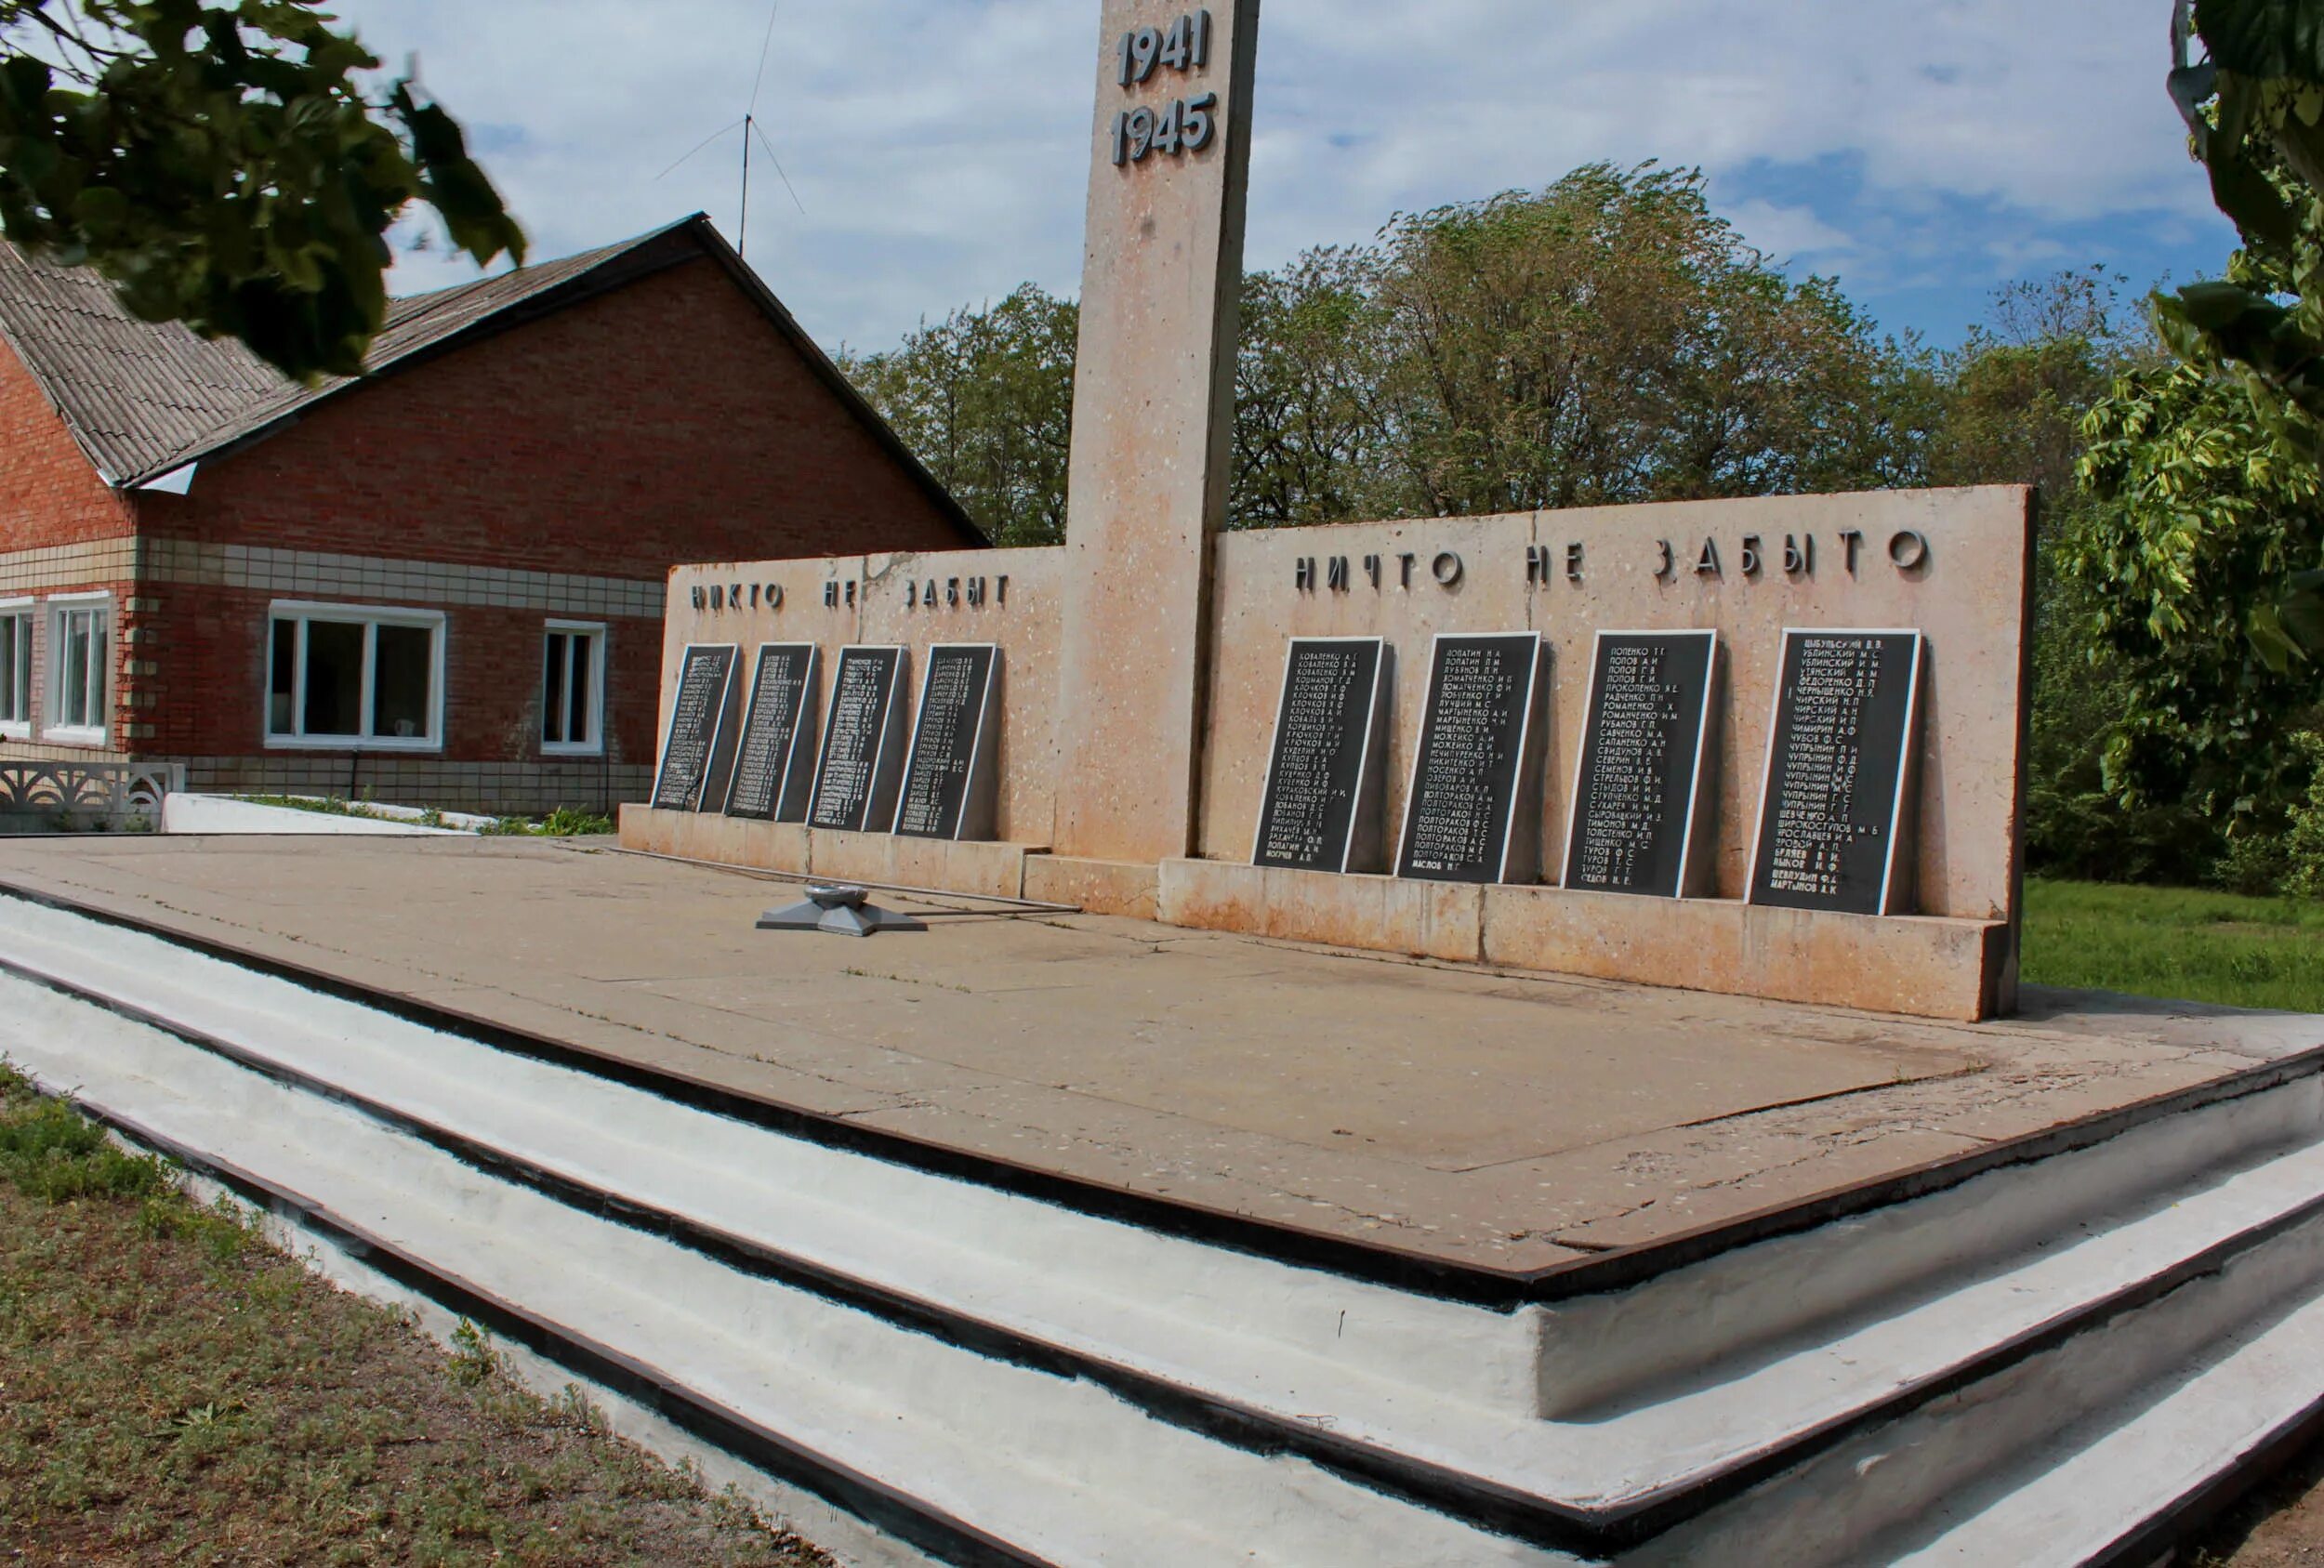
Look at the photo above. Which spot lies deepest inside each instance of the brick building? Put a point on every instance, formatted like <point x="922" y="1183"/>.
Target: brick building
<point x="442" y="581"/>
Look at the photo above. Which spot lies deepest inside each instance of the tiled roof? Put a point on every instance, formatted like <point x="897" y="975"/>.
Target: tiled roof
<point x="132" y="392"/>
<point x="144" y="399"/>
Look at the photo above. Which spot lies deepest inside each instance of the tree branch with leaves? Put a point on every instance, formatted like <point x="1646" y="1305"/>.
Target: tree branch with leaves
<point x="236" y="167"/>
<point x="2248" y="77"/>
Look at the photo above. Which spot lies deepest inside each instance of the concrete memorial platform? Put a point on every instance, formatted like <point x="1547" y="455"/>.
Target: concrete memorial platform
<point x="1044" y="1238"/>
<point x="1501" y="1120"/>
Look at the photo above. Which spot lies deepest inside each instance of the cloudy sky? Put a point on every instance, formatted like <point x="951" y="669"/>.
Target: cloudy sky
<point x="1924" y="151"/>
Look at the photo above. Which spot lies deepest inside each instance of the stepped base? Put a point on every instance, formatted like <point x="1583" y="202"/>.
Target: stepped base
<point x="2040" y="1346"/>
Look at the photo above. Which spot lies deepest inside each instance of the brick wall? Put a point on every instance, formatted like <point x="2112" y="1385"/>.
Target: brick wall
<point x="119" y="742"/>
<point x="208" y="650"/>
<point x="49" y="494"/>
<point x="668" y="421"/>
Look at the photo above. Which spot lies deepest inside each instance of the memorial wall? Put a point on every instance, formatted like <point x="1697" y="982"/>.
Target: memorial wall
<point x="1886" y="783"/>
<point x="1768" y="747"/>
<point x="1965" y="588"/>
<point x="779" y="616"/>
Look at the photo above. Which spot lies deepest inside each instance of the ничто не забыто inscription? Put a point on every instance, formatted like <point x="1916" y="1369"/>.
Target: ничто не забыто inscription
<point x="1321" y="808"/>
<point x="1835" y="809"/>
<point x="1638" y="787"/>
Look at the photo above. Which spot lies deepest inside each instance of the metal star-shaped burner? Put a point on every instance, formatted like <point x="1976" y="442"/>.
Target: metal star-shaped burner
<point x="845" y="912"/>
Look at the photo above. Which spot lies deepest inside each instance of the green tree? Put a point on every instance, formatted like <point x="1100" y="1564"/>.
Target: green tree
<point x="1310" y="431"/>
<point x="2199" y="514"/>
<point x="227" y="167"/>
<point x="2248" y="76"/>
<point x="1611" y="340"/>
<point x="1606" y="339"/>
<point x="2010" y="405"/>
<point x="985" y="398"/>
<point x="2015" y="394"/>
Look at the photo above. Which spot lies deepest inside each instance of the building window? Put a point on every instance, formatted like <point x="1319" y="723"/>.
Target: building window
<point x="344" y="677"/>
<point x="573" y="688"/>
<point x="15" y="671"/>
<point x="80" y="669"/>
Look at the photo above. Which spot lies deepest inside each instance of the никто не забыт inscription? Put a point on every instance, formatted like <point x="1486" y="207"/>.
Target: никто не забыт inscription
<point x="862" y="756"/>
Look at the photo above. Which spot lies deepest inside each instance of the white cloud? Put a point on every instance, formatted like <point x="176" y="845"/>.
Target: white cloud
<point x="1792" y="234"/>
<point x="937" y="145"/>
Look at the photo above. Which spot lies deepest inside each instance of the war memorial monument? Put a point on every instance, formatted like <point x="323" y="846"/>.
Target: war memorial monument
<point x="1439" y="1041"/>
<point x="1770" y="747"/>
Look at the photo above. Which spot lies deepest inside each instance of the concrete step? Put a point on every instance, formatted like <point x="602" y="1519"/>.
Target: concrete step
<point x="1665" y="1413"/>
<point x="2089" y="1451"/>
<point x="978" y="1458"/>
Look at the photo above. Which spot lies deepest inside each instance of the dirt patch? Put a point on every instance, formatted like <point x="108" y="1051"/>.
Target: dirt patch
<point x="174" y="1392"/>
<point x="2280" y="1524"/>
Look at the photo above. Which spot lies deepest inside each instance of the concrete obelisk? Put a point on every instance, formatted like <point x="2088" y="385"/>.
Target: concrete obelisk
<point x="1153" y="407"/>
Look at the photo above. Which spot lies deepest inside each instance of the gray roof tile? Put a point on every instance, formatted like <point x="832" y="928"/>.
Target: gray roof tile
<point x="144" y="399"/>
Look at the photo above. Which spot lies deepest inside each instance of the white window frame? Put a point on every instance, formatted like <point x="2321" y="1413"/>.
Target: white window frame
<point x="370" y="617"/>
<point x="28" y="611"/>
<point x="595" y="631"/>
<point x="55" y="608"/>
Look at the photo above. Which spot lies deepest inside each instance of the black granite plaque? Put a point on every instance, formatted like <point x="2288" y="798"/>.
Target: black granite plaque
<point x="1642" y="753"/>
<point x="774" y="765"/>
<point x="1833" y="814"/>
<point x="1321" y="810"/>
<point x="1474" y="776"/>
<point x="701" y="718"/>
<point x="863" y="752"/>
<point x="949" y="778"/>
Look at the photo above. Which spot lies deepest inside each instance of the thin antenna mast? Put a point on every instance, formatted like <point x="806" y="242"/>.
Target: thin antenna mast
<point x="748" y="125"/>
<point x="751" y="125"/>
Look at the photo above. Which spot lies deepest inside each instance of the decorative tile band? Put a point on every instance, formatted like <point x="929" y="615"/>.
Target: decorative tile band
<point x="319" y="573"/>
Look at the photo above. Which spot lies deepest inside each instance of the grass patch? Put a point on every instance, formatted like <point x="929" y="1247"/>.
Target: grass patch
<point x="175" y="1390"/>
<point x="563" y="823"/>
<point x="333" y="807"/>
<point x="2178" y="943"/>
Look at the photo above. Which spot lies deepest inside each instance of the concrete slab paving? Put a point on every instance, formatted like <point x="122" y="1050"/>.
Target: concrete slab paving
<point x="1504" y="1120"/>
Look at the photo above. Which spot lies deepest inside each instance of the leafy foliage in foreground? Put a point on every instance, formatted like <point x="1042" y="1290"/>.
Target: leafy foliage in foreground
<point x="227" y="166"/>
<point x="49" y="1151"/>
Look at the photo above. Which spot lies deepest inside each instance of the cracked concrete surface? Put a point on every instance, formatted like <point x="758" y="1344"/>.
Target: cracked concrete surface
<point x="1496" y="1118"/>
